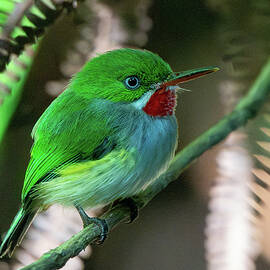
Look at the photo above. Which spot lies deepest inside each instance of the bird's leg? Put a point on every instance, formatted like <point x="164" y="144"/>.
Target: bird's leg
<point x="101" y="223"/>
<point x="129" y="202"/>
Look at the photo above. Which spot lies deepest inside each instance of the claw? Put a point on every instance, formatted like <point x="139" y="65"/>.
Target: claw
<point x="101" y="223"/>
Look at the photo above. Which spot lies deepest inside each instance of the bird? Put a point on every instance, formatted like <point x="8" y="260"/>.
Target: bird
<point x="107" y="137"/>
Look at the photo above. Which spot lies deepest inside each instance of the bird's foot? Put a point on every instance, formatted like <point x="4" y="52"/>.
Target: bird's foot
<point x="129" y="202"/>
<point x="101" y="223"/>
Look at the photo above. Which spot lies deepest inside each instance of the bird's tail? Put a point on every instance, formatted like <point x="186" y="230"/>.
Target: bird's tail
<point x="16" y="232"/>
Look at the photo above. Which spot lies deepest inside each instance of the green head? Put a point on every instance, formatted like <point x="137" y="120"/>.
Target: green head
<point x="106" y="76"/>
<point x="127" y="75"/>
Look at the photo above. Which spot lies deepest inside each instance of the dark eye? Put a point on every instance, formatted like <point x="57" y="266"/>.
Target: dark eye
<point x="132" y="82"/>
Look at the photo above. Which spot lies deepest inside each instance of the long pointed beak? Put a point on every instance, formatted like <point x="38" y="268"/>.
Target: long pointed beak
<point x="180" y="77"/>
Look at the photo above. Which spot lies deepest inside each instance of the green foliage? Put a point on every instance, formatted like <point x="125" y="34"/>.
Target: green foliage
<point x="12" y="80"/>
<point x="22" y="22"/>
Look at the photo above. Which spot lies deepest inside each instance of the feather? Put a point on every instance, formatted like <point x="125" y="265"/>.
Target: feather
<point x="56" y="143"/>
<point x="144" y="146"/>
<point x="18" y="228"/>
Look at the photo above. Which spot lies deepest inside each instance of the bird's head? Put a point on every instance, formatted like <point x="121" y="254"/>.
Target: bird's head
<point x="137" y="77"/>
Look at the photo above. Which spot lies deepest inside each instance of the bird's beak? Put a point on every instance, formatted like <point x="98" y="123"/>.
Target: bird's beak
<point x="184" y="76"/>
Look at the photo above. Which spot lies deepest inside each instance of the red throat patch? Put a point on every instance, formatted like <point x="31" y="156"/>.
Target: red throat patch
<point x="161" y="103"/>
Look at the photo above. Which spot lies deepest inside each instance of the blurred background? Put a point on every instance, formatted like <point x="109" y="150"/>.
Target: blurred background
<point x="174" y="231"/>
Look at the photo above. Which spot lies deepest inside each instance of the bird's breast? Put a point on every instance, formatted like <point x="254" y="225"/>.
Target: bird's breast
<point x="154" y="140"/>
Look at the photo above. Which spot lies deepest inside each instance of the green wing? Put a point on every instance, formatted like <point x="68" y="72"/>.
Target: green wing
<point x="67" y="132"/>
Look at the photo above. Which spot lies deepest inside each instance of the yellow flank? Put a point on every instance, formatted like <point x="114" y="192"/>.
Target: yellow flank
<point x="84" y="166"/>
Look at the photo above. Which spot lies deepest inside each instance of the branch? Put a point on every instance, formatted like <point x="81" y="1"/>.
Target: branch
<point x="246" y="109"/>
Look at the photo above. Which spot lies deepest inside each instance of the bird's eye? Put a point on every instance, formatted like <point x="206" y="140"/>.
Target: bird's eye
<point x="132" y="82"/>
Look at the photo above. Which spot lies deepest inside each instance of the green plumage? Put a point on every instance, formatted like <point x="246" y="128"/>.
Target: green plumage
<point x="108" y="136"/>
<point x="56" y="137"/>
<point x="73" y="130"/>
<point x="17" y="230"/>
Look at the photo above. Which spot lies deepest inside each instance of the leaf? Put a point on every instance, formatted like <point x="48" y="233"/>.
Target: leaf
<point x="22" y="22"/>
<point x="11" y="86"/>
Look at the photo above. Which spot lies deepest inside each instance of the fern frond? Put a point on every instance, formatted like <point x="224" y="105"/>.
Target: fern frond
<point x="22" y="22"/>
<point x="231" y="216"/>
<point x="11" y="86"/>
<point x="230" y="234"/>
<point x="261" y="188"/>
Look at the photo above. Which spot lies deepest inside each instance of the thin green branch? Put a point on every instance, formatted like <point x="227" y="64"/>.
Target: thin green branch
<point x="246" y="109"/>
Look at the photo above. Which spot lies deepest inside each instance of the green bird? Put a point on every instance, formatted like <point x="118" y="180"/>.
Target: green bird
<point x="108" y="136"/>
